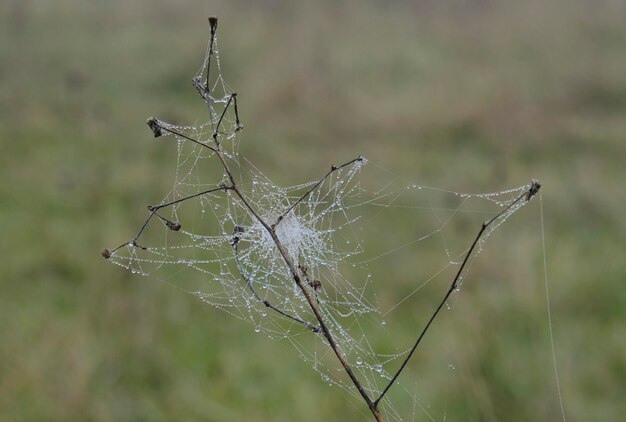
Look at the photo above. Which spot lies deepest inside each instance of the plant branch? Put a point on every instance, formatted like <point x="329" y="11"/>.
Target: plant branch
<point x="172" y="225"/>
<point x="532" y="190"/>
<point x="292" y="269"/>
<point x="333" y="169"/>
<point x="327" y="334"/>
<point x="213" y="24"/>
<point x="266" y="302"/>
<point x="158" y="128"/>
<point x="310" y="300"/>
<point x="186" y="198"/>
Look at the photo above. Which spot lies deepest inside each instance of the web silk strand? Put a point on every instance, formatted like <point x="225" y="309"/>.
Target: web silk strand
<point x="545" y="276"/>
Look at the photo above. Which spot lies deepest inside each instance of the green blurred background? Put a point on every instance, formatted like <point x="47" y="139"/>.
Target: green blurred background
<point x="468" y="95"/>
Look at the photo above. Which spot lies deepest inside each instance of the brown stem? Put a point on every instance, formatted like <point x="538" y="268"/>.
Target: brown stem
<point x="266" y="302"/>
<point x="290" y="265"/>
<point x="333" y="169"/>
<point x="532" y="190"/>
<point x="296" y="277"/>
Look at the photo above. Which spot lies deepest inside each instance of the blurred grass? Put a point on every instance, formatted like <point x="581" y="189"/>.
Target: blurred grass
<point x="471" y="96"/>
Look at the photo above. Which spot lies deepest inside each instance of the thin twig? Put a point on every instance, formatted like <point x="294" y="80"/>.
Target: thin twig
<point x="182" y="135"/>
<point x="186" y="198"/>
<point x="158" y="129"/>
<point x="238" y="124"/>
<point x="312" y="302"/>
<point x="333" y="169"/>
<point x="292" y="269"/>
<point x="219" y="122"/>
<point x="329" y="337"/>
<point x="266" y="302"/>
<point x="213" y="24"/>
<point x="532" y="190"/>
<point x="172" y="225"/>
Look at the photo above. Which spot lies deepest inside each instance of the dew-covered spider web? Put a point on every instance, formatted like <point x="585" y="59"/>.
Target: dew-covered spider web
<point x="214" y="242"/>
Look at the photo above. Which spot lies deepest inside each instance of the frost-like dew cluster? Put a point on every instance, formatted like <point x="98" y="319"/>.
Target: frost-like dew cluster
<point x="212" y="241"/>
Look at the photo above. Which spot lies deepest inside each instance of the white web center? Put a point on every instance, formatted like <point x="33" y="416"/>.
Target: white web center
<point x="297" y="236"/>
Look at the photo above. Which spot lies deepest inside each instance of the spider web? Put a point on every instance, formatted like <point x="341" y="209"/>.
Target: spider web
<point x="203" y="238"/>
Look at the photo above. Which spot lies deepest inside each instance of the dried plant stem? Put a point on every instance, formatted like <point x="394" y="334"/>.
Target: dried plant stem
<point x="157" y="128"/>
<point x="296" y="277"/>
<point x="532" y="190"/>
<point x="297" y="272"/>
<point x="266" y="302"/>
<point x="315" y="186"/>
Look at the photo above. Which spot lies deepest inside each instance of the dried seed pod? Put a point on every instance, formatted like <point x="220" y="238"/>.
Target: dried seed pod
<point x="173" y="225"/>
<point x="155" y="126"/>
<point x="534" y="188"/>
<point x="213" y="23"/>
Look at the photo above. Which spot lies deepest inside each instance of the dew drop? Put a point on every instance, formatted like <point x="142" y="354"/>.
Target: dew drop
<point x="257" y="330"/>
<point x="359" y="361"/>
<point x="378" y="368"/>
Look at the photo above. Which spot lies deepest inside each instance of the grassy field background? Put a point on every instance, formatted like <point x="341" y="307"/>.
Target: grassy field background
<point x="472" y="96"/>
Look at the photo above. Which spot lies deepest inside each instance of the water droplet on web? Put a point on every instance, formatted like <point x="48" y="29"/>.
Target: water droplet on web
<point x="451" y="367"/>
<point x="257" y="329"/>
<point x="359" y="361"/>
<point x="383" y="322"/>
<point x="378" y="368"/>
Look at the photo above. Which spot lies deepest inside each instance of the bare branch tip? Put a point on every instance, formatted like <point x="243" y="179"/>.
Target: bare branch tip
<point x="106" y="253"/>
<point x="213" y="23"/>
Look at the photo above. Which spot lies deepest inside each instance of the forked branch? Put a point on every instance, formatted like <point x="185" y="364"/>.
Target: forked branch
<point x="159" y="128"/>
<point x="298" y="273"/>
<point x="266" y="302"/>
<point x="317" y="184"/>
